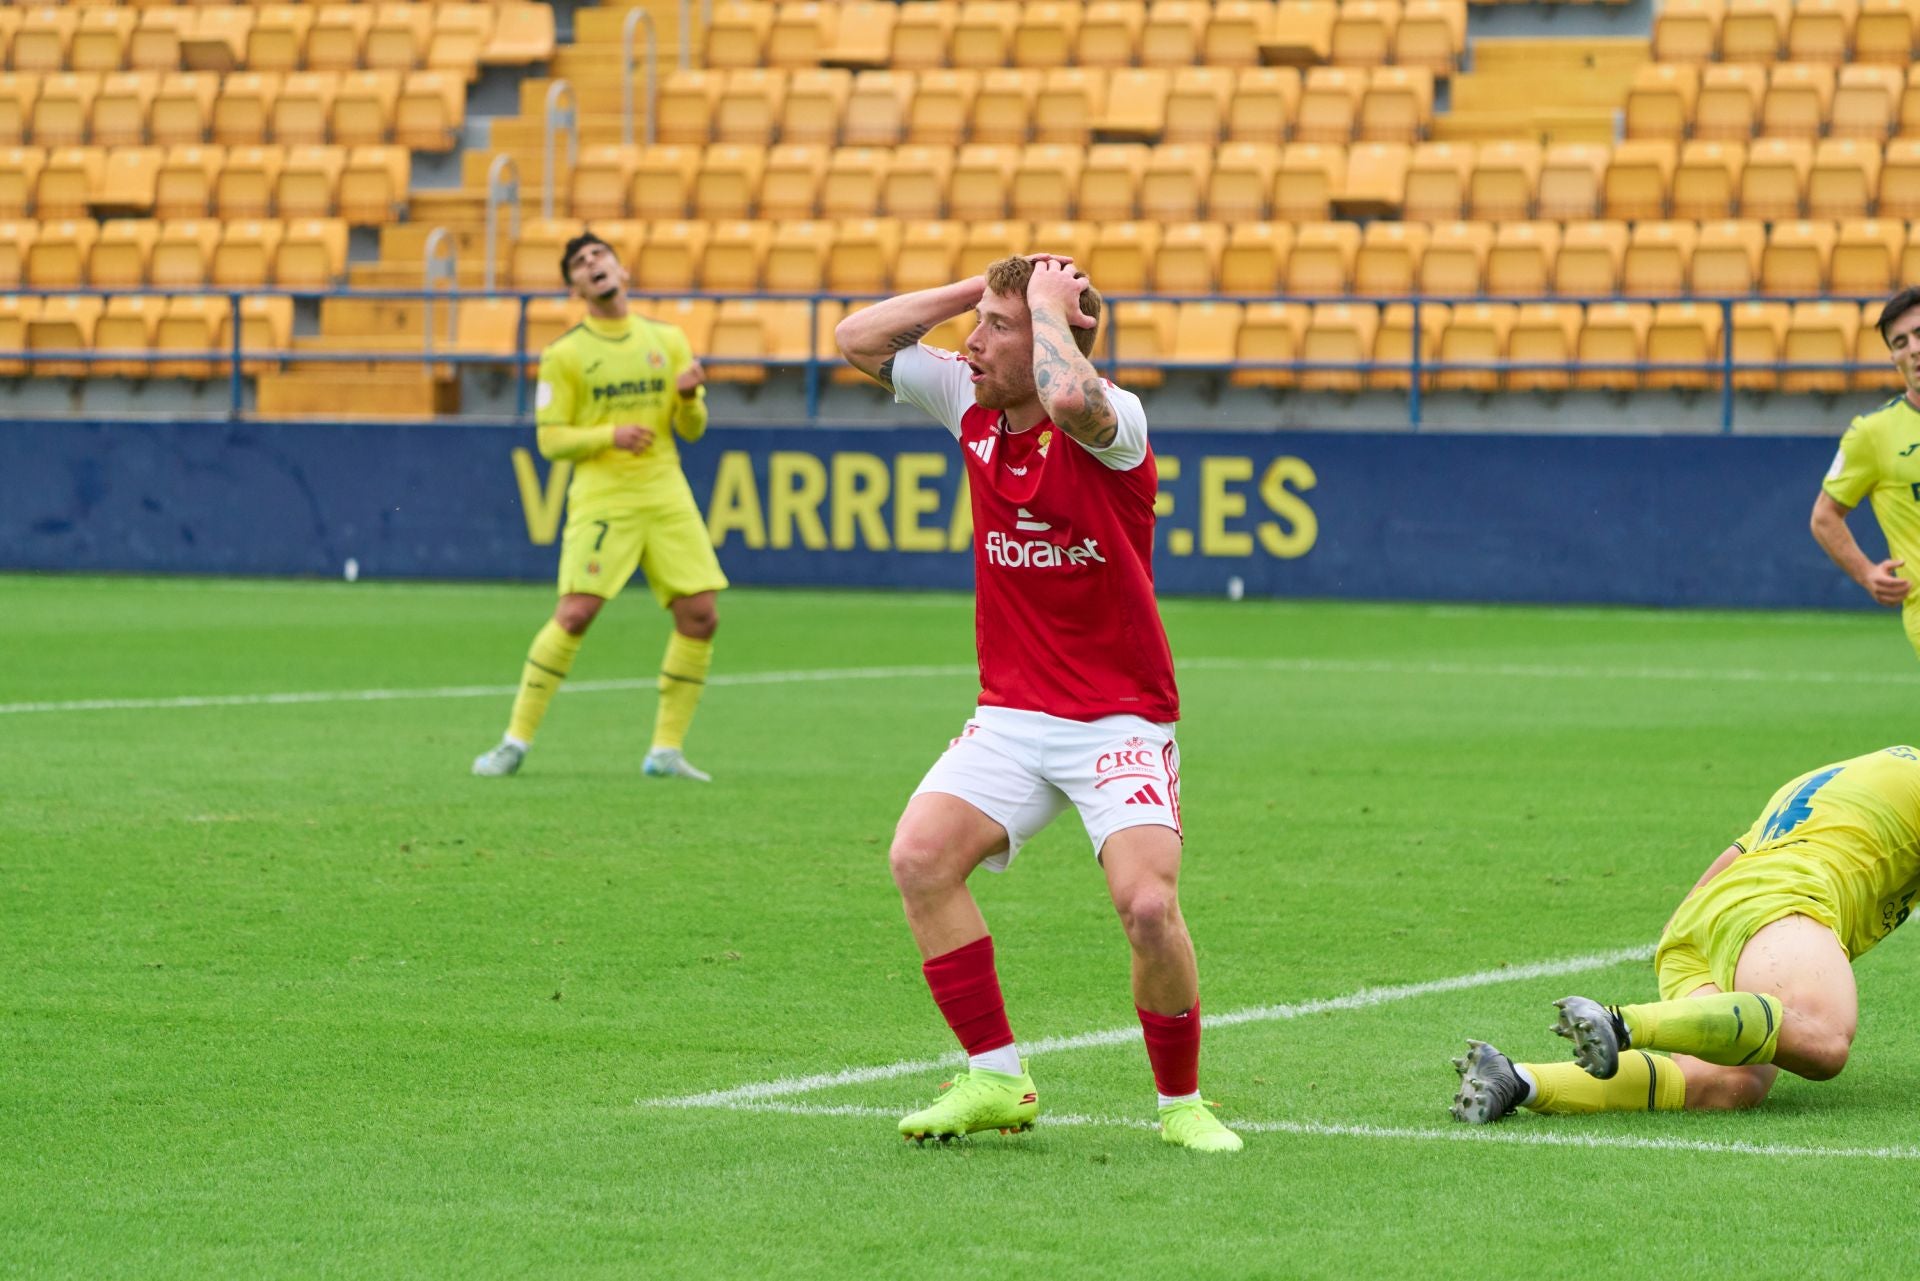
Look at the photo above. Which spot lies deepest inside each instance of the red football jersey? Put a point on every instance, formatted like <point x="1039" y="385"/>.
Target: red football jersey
<point x="1065" y="619"/>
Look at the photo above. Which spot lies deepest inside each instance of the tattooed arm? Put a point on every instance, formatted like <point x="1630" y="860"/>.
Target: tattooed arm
<point x="870" y="339"/>
<point x="1071" y="390"/>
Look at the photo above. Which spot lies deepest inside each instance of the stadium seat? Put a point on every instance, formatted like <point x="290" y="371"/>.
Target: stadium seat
<point x="671" y="256"/>
<point x="1774" y="181"/>
<point x="339" y="37"/>
<point x="1070" y="239"/>
<point x="1866" y="256"/>
<point x="1658" y="259"/>
<point x="1330" y="103"/>
<point x="1376" y="184"/>
<point x="1820" y="333"/>
<point x="62" y="325"/>
<point x="1136" y="106"/>
<point x="1143" y="336"/>
<point x="1123" y="255"/>
<point x="1309" y="176"/>
<point x="245" y="255"/>
<point x="1899" y="195"/>
<point x="1844" y="178"/>
<point x="126" y="327"/>
<point x="1110" y="33"/>
<point x="1363" y="32"/>
<point x="1570" y="180"/>
<point x="1799" y="100"/>
<point x="1821" y="30"/>
<point x="1661" y="102"/>
<point x="1455" y="263"/>
<point x="851" y="186"/>
<point x="1040" y="178"/>
<point x="1687" y="30"/>
<point x="1003" y="109"/>
<point x="308" y="185"/>
<point x="43" y="39"/>
<point x="1072" y="100"/>
<point x="1885" y="33"/>
<point x="120" y="255"/>
<point x="1437" y="178"/>
<point x="1612" y="338"/>
<point x="532" y="258"/>
<point x="1189" y="260"/>
<point x="597" y="186"/>
<point x="802" y="31"/>
<point x="1173" y="185"/>
<point x="1397" y="105"/>
<point x="1545" y="339"/>
<point x="815" y="103"/>
<point x="860" y="254"/>
<point x="363" y="108"/>
<point x="1044" y="35"/>
<point x="312" y="254"/>
<point x="266" y="329"/>
<point x="748" y="112"/>
<point x="1796" y="259"/>
<point x="1110" y="181"/>
<point x="18" y="94"/>
<point x="1206" y="334"/>
<point x="1389" y="258"/>
<point x="67" y="182"/>
<point x="1234" y="36"/>
<point x="876" y="110"/>
<point x="461" y="33"/>
<point x="1240" y="188"/>
<point x="1338" y="334"/>
<point x="1432" y="35"/>
<point x="1590" y="259"/>
<point x="1266" y="101"/>
<point x="921" y="35"/>
<point x="182" y="255"/>
<point x="1302" y="33"/>
<point x="399" y="37"/>
<point x="1910" y="104"/>
<point x="1707" y="179"/>
<point x="795" y="259"/>
<point x="1271" y="334"/>
<point x="430" y="112"/>
<point x="1394" y="342"/>
<point x="1475" y="334"/>
<point x="1759" y="344"/>
<point x="727" y="184"/>
<point x="1198" y="104"/>
<point x="918" y="181"/>
<point x="790" y="185"/>
<point x="1754" y="30"/>
<point x="19" y="174"/>
<point x="57" y="258"/>
<point x="1876" y="374"/>
<point x="65" y="104"/>
<point x="687" y="103"/>
<point x="983" y="34"/>
<point x="121" y="110"/>
<point x="1520" y="263"/>
<point x="278" y="38"/>
<point x="1255" y="257"/>
<point x="1639" y="176"/>
<point x="1684" y="334"/>
<point x="1505" y="181"/>
<point x="243" y="112"/>
<point x="929" y="255"/>
<point x="303" y="107"/>
<point x="940" y="112"/>
<point x="988" y="242"/>
<point x="155" y="43"/>
<point x="195" y="324"/>
<point x="245" y="185"/>
<point x="1175" y="33"/>
<point x="183" y="108"/>
<point x="1726" y="260"/>
<point x="1866" y="102"/>
<point x="1728" y="107"/>
<point x="737" y="35"/>
<point x="128" y="183"/>
<point x="662" y="182"/>
<point x="16" y="239"/>
<point x="373" y="185"/>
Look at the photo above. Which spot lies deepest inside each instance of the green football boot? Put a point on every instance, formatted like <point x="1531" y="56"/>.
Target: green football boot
<point x="1193" y="1125"/>
<point x="979" y="1100"/>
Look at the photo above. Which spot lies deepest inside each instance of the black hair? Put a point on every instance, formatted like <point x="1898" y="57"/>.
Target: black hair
<point x="574" y="246"/>
<point x="1897" y="306"/>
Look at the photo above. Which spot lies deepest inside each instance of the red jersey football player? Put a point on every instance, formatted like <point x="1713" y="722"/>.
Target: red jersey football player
<point x="1077" y="697"/>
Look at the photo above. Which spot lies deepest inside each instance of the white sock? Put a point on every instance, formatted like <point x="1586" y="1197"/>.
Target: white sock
<point x="1005" y="1060"/>
<point x="510" y="741"/>
<point x="1533" y="1086"/>
<point x="1168" y="1100"/>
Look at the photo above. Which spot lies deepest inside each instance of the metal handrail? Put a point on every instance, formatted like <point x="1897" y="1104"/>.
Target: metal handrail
<point x="686" y="27"/>
<point x="442" y="264"/>
<point x="559" y="117"/>
<point x="636" y="19"/>
<point x="503" y="187"/>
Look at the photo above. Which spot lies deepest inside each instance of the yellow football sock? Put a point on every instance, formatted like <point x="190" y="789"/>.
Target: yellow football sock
<point x="1729" y="1028"/>
<point x="1644" y="1083"/>
<point x="548" y="663"/>
<point x="683" y="676"/>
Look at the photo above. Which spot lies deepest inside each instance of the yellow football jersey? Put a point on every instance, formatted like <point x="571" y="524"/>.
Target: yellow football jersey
<point x="1879" y="458"/>
<point x="1859" y="822"/>
<point x="603" y="374"/>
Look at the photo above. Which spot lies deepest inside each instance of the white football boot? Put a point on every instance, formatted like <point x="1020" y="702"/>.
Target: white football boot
<point x="671" y="762"/>
<point x="498" y="762"/>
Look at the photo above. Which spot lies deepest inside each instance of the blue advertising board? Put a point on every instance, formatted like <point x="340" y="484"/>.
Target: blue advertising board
<point x="1652" y="520"/>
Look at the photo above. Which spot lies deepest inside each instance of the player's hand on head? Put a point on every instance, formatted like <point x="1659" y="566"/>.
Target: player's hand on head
<point x="632" y="437"/>
<point x="1057" y="284"/>
<point x="691" y="379"/>
<point x="1886" y="586"/>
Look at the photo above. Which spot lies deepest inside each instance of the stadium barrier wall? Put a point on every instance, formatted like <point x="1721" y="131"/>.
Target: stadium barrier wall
<point x="1648" y="520"/>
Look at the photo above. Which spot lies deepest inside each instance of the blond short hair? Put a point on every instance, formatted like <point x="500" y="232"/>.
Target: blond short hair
<point x="1008" y="278"/>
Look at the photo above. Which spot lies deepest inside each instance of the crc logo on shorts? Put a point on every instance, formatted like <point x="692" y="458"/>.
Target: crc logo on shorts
<point x="1038" y="553"/>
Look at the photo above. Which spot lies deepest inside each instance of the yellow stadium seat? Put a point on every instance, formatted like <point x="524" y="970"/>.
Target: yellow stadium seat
<point x="1271" y="334"/>
<point x="1505" y="180"/>
<point x="1198" y="104"/>
<point x="790" y="187"/>
<point x="218" y="38"/>
<point x="1799" y="100"/>
<point x="243" y="112"/>
<point x="1432" y="34"/>
<point x="339" y="36"/>
<point x="309" y="182"/>
<point x="1003" y="109"/>
<point x="1900" y="180"/>
<point x="922" y="33"/>
<point x="1322" y="258"/>
<point x="983" y="34"/>
<point x="1236" y="32"/>
<point x="816" y="100"/>
<point x="126" y="327"/>
<point x="399" y="37"/>
<point x="851" y="186"/>
<point x="1659" y="258"/>
<point x="1136" y="106"/>
<point x="1844" y="178"/>
<point x="929" y="255"/>
<point x="1302" y="33"/>
<point x="1774" y="183"/>
<point x="43" y="39"/>
<point x="63" y="325"/>
<point x="863" y="38"/>
<point x="1687" y="30"/>
<point x="57" y="258"/>
<point x="373" y="186"/>
<point x="988" y="242"/>
<point x="65" y="104"/>
<point x="196" y="325"/>
<point x="1393" y="345"/>
<point x="1338" y="334"/>
<point x="1206" y="334"/>
<point x="1639" y="178"/>
<point x="1571" y="179"/>
<point x="278" y="38"/>
<point x="1754" y="30"/>
<point x="1241" y="184"/>
<point x="1590" y="259"/>
<point x="182" y="108"/>
<point x="940" y="112"/>
<point x="1330" y="104"/>
<point x="1475" y="334"/>
<point x="1455" y="262"/>
<point x="1870" y="351"/>
<point x="120" y="111"/>
<point x="1520" y="263"/>
<point x="548" y="318"/>
<point x="1175" y="33"/>
<point x="1044" y="184"/>
<point x="750" y="107"/>
<point x="737" y="35"/>
<point x="794" y="259"/>
<point x="68" y="181"/>
<point x="877" y="106"/>
<point x="155" y="43"/>
<point x="1885" y="31"/>
<point x="670" y="259"/>
<point x="1820" y="333"/>
<point x="1255" y="258"/>
<point x="532" y="257"/>
<point x="598" y="183"/>
<point x="1397" y="105"/>
<point x="1726" y="261"/>
<point x="688" y="102"/>
<point x="1437" y="177"/>
<point x="300" y="112"/>
<point x="129" y="183"/>
<point x="918" y="180"/>
<point x="1728" y="107"/>
<point x="1189" y="259"/>
<point x="1376" y="185"/>
<point x="1910" y="104"/>
<point x="1821" y="30"/>
<point x="1174" y="184"/>
<point x="16" y="238"/>
<point x="1661" y="102"/>
<point x="363" y="108"/>
<point x="1614" y="335"/>
<point x="1759" y="344"/>
<point x="1545" y="340"/>
<point x="1796" y="260"/>
<point x="1044" y="35"/>
<point x="1142" y="340"/>
<point x="802" y="30"/>
<point x="1071" y="101"/>
<point x="661" y="186"/>
<point x="266" y="329"/>
<point x="1866" y="256"/>
<point x="860" y="255"/>
<point x="245" y="186"/>
<point x="1110" y="33"/>
<point x="1265" y="102"/>
<point x="1707" y="179"/>
<point x="1363" y="32"/>
<point x="1684" y="334"/>
<point x="486" y="326"/>
<point x="312" y="254"/>
<point x="1123" y="256"/>
<point x="19" y="174"/>
<point x="727" y="185"/>
<point x="1866" y="102"/>
<point x="430" y="112"/>
<point x="1070" y="239"/>
<point x="184" y="186"/>
<point x="1389" y="257"/>
<point x="18" y="94"/>
<point x="1110" y="181"/>
<point x="459" y="39"/>
<point x="1310" y="175"/>
<point x="120" y="255"/>
<point x="244" y="258"/>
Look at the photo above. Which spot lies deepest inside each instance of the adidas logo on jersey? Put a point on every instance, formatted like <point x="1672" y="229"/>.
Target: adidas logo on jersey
<point x="1027" y="523"/>
<point x="1146" y="796"/>
<point x="983" y="449"/>
<point x="1037" y="553"/>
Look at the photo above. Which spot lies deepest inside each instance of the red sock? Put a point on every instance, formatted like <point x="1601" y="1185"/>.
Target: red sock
<point x="967" y="989"/>
<point x="1173" y="1047"/>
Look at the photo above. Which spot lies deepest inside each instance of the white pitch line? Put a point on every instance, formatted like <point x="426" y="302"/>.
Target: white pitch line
<point x="1549" y="671"/>
<point x="1523" y="1135"/>
<point x="1360" y="1000"/>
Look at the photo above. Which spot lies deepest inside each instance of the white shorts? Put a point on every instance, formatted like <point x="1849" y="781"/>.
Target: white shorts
<point x="1021" y="769"/>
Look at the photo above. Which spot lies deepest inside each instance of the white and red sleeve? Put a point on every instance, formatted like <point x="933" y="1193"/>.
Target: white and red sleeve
<point x="1129" y="447"/>
<point x="938" y="383"/>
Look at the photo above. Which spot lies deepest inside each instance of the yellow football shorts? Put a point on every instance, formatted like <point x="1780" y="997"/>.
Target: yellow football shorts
<point x="1703" y="942"/>
<point x="668" y="542"/>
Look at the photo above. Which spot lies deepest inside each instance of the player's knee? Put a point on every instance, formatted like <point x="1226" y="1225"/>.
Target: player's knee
<point x="918" y="864"/>
<point x="1150" y="915"/>
<point x="1822" y="1056"/>
<point x="696" y="619"/>
<point x="575" y="615"/>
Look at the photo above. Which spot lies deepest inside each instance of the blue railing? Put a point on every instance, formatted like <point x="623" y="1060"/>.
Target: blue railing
<point x="1417" y="370"/>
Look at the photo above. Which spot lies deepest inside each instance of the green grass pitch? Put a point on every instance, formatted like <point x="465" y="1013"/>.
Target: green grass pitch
<point x="287" y="993"/>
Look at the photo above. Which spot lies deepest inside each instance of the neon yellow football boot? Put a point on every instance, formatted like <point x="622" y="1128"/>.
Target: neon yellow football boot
<point x="1193" y="1125"/>
<point x="978" y="1100"/>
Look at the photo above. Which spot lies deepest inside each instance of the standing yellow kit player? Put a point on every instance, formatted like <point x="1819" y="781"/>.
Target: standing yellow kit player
<point x="614" y="391"/>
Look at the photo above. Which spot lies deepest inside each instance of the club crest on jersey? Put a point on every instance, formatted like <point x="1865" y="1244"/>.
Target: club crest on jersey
<point x="657" y="359"/>
<point x="1046" y="441"/>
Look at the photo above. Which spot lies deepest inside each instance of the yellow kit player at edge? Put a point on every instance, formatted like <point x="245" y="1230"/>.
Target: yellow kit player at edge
<point x="614" y="390"/>
<point x="1879" y="458"/>
<point x="1755" y="967"/>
